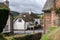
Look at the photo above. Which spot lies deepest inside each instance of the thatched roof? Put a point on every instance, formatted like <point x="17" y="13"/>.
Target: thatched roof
<point x="28" y="17"/>
<point x="25" y="17"/>
<point x="48" y="5"/>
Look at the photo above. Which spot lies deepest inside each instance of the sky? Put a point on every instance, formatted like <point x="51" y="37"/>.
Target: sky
<point x="25" y="5"/>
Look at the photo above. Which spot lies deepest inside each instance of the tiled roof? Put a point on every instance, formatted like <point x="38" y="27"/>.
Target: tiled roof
<point x="48" y="5"/>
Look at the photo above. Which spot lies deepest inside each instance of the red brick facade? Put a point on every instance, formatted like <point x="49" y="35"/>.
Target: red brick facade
<point x="58" y="3"/>
<point x="52" y="18"/>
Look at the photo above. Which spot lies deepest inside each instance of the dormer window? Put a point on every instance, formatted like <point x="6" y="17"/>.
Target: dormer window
<point x="20" y="20"/>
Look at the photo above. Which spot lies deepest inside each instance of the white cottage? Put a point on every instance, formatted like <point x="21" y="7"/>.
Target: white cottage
<point x="22" y="22"/>
<point x="36" y="18"/>
<point x="25" y="20"/>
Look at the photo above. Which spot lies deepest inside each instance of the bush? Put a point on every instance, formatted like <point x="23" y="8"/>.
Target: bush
<point x="2" y="38"/>
<point x="36" y="36"/>
<point x="4" y="12"/>
<point x="11" y="38"/>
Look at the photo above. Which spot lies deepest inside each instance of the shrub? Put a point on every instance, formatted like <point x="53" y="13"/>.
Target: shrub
<point x="25" y="37"/>
<point x="36" y="36"/>
<point x="11" y="38"/>
<point x="4" y="12"/>
<point x="2" y="38"/>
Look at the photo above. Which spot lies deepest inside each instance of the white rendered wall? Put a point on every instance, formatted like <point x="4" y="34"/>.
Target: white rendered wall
<point x="19" y="25"/>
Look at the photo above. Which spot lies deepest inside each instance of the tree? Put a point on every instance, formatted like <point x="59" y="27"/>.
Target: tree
<point x="4" y="12"/>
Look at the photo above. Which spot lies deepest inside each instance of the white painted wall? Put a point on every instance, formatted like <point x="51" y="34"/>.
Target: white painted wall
<point x="19" y="25"/>
<point x="27" y="24"/>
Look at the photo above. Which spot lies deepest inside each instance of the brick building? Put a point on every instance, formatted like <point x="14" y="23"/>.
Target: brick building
<point x="51" y="14"/>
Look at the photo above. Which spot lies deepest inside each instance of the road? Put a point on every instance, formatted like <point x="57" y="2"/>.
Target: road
<point x="28" y="31"/>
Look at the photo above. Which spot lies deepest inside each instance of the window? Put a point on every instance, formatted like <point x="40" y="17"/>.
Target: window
<point x="20" y="20"/>
<point x="36" y="23"/>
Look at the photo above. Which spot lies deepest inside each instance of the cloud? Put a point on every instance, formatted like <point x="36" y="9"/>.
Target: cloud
<point x="25" y="5"/>
<point x="1" y="0"/>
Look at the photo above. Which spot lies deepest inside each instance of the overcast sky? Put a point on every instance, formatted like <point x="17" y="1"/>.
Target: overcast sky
<point x="26" y="5"/>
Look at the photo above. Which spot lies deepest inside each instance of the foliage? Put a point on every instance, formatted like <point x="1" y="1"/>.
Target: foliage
<point x="3" y="17"/>
<point x="4" y="8"/>
<point x="2" y="38"/>
<point x="41" y="16"/>
<point x="55" y="35"/>
<point x="11" y="38"/>
<point x="25" y="37"/>
<point x="47" y="36"/>
<point x="57" y="10"/>
<point x="6" y="34"/>
<point x="15" y="13"/>
<point x="35" y="36"/>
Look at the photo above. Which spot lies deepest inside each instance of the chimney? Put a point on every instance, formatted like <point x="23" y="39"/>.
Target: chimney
<point x="24" y="15"/>
<point x="30" y="11"/>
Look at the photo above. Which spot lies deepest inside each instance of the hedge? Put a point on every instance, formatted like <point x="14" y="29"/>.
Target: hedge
<point x="2" y="38"/>
<point x="4" y="12"/>
<point x="36" y="36"/>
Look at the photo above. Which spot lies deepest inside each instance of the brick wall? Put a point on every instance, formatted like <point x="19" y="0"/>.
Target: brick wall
<point x="47" y="18"/>
<point x="58" y="3"/>
<point x="53" y="15"/>
<point x="58" y="14"/>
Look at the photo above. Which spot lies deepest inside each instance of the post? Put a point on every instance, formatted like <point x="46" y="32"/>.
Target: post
<point x="11" y="23"/>
<point x="33" y="29"/>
